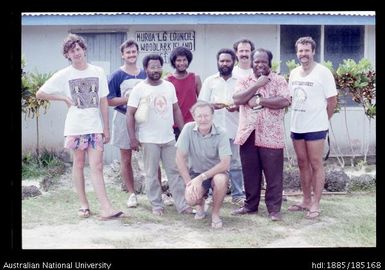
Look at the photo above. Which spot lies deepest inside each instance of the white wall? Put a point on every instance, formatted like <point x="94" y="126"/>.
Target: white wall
<point x="42" y="46"/>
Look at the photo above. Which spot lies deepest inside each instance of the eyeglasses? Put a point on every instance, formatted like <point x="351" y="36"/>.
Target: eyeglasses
<point x="155" y="68"/>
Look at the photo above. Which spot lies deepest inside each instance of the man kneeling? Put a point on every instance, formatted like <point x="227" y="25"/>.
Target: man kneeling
<point x="203" y="160"/>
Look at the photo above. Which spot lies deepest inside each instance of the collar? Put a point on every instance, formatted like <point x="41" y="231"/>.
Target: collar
<point x="233" y="76"/>
<point x="214" y="129"/>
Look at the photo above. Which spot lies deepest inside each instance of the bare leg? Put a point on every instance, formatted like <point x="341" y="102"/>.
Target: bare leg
<point x="96" y="165"/>
<point x="78" y="177"/>
<point x="126" y="169"/>
<point x="315" y="150"/>
<point x="219" y="185"/>
<point x="305" y="171"/>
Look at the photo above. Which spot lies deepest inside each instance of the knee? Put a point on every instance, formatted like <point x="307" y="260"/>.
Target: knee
<point x="97" y="166"/>
<point x="302" y="163"/>
<point x="221" y="181"/>
<point x="78" y="164"/>
<point x="316" y="164"/>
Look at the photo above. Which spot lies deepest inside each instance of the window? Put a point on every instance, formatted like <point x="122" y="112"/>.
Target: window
<point x="289" y="35"/>
<point x="340" y="42"/>
<point x="344" y="42"/>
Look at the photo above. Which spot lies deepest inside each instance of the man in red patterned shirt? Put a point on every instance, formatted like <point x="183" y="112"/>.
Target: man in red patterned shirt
<point x="262" y="97"/>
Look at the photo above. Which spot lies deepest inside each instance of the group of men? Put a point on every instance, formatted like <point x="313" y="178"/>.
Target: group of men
<point x="228" y="129"/>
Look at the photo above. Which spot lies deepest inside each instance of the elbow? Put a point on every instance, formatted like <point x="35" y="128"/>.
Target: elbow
<point x="237" y="101"/>
<point x="39" y="95"/>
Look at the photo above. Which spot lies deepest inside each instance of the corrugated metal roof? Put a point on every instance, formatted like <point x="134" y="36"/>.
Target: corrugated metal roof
<point x="332" y="13"/>
<point x="199" y="18"/>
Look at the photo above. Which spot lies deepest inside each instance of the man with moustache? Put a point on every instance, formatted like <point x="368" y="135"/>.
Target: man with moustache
<point x="120" y="85"/>
<point x="218" y="89"/>
<point x="263" y="98"/>
<point x="314" y="95"/>
<point x="156" y="135"/>
<point x="243" y="49"/>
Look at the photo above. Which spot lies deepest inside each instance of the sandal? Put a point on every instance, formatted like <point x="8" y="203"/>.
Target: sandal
<point x="84" y="212"/>
<point x="119" y="214"/>
<point x="313" y="214"/>
<point x="217" y="224"/>
<point x="297" y="208"/>
<point x="200" y="215"/>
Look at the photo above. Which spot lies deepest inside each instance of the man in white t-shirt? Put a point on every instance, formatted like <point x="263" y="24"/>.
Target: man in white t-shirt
<point x="155" y="133"/>
<point x="83" y="87"/>
<point x="314" y="99"/>
<point x="243" y="49"/>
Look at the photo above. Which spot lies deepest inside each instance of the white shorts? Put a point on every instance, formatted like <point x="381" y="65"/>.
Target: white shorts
<point x="120" y="136"/>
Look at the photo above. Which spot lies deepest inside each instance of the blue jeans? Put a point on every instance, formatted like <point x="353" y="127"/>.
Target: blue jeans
<point x="236" y="180"/>
<point x="236" y="175"/>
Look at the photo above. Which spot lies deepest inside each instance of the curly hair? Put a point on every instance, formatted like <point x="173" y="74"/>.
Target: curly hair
<point x="70" y="42"/>
<point x="180" y="51"/>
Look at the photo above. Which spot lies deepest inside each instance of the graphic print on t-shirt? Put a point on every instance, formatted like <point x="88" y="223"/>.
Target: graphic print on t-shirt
<point x="84" y="92"/>
<point x="300" y="96"/>
<point x="160" y="105"/>
<point x="127" y="85"/>
<point x="125" y="89"/>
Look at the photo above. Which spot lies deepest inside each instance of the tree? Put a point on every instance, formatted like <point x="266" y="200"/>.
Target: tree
<point x="30" y="105"/>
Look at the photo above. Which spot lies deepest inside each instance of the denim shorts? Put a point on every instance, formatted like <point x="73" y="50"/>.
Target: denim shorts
<point x="85" y="141"/>
<point x="309" y="136"/>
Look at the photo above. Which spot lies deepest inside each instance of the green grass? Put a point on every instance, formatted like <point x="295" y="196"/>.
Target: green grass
<point x="48" y="163"/>
<point x="346" y="221"/>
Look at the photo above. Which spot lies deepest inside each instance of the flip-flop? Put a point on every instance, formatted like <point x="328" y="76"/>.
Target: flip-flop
<point x="84" y="212"/>
<point x="313" y="214"/>
<point x="120" y="214"/>
<point x="217" y="224"/>
<point x="296" y="208"/>
<point x="200" y="215"/>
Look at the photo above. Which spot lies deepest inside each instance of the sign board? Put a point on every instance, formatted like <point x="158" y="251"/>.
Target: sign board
<point x="163" y="42"/>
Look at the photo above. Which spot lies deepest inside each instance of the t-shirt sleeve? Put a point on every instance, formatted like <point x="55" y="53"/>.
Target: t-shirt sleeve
<point x="133" y="99"/>
<point x="204" y="94"/>
<point x="55" y="84"/>
<point x="174" y="98"/>
<point x="329" y="84"/>
<point x="112" y="86"/>
<point x="183" y="142"/>
<point x="103" y="85"/>
<point x="224" y="145"/>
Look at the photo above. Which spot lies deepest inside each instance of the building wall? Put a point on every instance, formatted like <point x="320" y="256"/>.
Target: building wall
<point x="42" y="46"/>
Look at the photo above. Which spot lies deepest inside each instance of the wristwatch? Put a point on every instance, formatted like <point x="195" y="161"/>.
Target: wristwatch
<point x="257" y="106"/>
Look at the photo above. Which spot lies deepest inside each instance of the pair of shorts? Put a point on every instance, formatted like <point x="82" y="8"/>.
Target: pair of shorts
<point x="85" y="141"/>
<point x="309" y="136"/>
<point x="119" y="136"/>
<point x="206" y="184"/>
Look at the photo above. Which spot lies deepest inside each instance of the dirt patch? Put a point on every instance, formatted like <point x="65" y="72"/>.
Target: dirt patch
<point x="94" y="234"/>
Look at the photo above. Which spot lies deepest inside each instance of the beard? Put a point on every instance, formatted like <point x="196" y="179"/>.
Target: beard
<point x="225" y="71"/>
<point x="154" y="76"/>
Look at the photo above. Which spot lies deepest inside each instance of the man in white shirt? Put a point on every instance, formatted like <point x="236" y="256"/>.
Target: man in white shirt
<point x="314" y="99"/>
<point x="218" y="89"/>
<point x="155" y="133"/>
